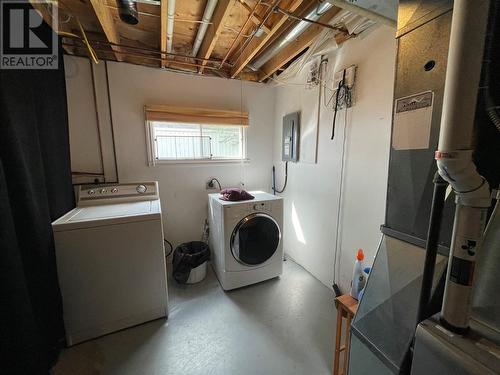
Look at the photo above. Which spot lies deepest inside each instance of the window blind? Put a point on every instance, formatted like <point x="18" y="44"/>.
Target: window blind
<point x="195" y="115"/>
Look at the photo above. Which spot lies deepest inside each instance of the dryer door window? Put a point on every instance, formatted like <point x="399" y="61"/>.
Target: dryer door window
<point x="255" y="239"/>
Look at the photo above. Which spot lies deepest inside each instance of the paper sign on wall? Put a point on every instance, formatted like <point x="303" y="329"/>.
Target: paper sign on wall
<point x="412" y="121"/>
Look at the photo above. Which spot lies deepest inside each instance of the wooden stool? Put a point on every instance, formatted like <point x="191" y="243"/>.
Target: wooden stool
<point x="346" y="308"/>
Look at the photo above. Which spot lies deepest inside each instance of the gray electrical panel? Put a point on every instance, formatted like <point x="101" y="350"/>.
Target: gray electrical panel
<point x="290" y="141"/>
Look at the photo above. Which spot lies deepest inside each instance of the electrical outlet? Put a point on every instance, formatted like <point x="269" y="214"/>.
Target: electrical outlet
<point x="210" y="185"/>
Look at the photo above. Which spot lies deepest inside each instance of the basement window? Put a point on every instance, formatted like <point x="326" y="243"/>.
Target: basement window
<point x="178" y="134"/>
<point x="196" y="142"/>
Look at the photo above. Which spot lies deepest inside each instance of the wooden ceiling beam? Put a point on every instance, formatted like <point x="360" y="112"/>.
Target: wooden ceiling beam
<point x="255" y="17"/>
<point x="47" y="17"/>
<point x="214" y="30"/>
<point x="105" y="18"/>
<point x="257" y="43"/>
<point x="163" y="30"/>
<point x="302" y="42"/>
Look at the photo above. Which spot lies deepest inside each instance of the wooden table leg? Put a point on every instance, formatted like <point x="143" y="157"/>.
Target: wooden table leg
<point x="338" y="335"/>
<point x="347" y="343"/>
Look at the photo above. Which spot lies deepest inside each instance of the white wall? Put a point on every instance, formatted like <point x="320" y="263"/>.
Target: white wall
<point x="182" y="186"/>
<point x="89" y="122"/>
<point x="312" y="195"/>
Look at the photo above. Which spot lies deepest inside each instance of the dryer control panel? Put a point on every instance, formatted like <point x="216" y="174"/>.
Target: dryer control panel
<point x="262" y="206"/>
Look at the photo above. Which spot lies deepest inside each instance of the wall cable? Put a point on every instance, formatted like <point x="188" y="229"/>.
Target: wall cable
<point x="338" y="256"/>
<point x="279" y="191"/>
<point x="218" y="182"/>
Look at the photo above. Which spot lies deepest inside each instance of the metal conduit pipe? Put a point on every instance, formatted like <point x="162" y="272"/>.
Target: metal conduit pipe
<point x="170" y="23"/>
<point x="289" y="37"/>
<point x="454" y="158"/>
<point x="202" y="30"/>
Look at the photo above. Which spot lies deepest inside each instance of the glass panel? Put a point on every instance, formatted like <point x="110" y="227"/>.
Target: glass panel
<point x="370" y="363"/>
<point x="256" y="240"/>
<point x="486" y="304"/>
<point x="387" y="314"/>
<point x="226" y="141"/>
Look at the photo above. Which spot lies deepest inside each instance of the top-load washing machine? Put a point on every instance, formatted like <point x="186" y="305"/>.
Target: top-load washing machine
<point x="245" y="238"/>
<point x="111" y="260"/>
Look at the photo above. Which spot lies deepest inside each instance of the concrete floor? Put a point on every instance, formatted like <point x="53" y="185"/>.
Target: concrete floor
<point x="282" y="326"/>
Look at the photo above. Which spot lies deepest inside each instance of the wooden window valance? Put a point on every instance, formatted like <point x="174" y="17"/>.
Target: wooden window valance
<point x="195" y="115"/>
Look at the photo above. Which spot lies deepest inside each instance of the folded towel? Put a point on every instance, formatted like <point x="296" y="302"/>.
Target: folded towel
<point x="235" y="194"/>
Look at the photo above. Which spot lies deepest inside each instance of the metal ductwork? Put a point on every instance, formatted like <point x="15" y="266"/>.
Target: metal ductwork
<point x="207" y="17"/>
<point x="382" y="11"/>
<point x="127" y="9"/>
<point x="289" y="37"/>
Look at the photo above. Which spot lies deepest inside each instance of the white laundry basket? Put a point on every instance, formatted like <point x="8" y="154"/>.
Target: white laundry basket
<point x="197" y="274"/>
<point x="189" y="264"/>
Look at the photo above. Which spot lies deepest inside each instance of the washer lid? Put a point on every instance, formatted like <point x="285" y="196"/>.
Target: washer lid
<point x="92" y="216"/>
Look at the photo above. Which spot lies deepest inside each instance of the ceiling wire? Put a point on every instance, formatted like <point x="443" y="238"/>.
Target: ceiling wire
<point x="269" y="13"/>
<point x="235" y="40"/>
<point x="298" y="18"/>
<point x="142" y="49"/>
<point x="237" y="31"/>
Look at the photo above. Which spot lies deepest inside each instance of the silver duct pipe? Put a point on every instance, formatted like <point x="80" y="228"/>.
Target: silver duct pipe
<point x="313" y="15"/>
<point x="454" y="157"/>
<point x="170" y="23"/>
<point x="207" y="17"/>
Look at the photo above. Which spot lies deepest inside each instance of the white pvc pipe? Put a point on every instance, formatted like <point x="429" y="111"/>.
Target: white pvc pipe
<point x="170" y="23"/>
<point x="454" y="157"/>
<point x="463" y="73"/>
<point x="207" y="18"/>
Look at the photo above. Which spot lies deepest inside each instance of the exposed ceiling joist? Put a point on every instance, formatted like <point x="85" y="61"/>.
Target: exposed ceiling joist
<point x="105" y="18"/>
<point x="47" y="17"/>
<point x="255" y="18"/>
<point x="221" y="13"/>
<point x="163" y="30"/>
<point x="302" y="42"/>
<point x="257" y="43"/>
<point x="159" y="41"/>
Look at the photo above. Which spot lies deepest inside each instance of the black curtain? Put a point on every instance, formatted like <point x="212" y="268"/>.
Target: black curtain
<point x="35" y="189"/>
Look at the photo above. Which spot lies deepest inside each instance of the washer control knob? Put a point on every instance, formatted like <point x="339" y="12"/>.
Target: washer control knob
<point x="114" y="190"/>
<point x="141" y="189"/>
<point x="91" y="192"/>
<point x="103" y="191"/>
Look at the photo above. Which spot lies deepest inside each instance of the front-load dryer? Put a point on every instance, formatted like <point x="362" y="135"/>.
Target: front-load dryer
<point x="245" y="238"/>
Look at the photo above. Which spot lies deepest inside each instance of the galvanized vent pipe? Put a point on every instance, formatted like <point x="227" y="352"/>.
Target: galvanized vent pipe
<point x="127" y="9"/>
<point x="290" y="37"/>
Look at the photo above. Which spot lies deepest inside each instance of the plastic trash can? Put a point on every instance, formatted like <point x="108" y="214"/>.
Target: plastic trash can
<point x="190" y="262"/>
